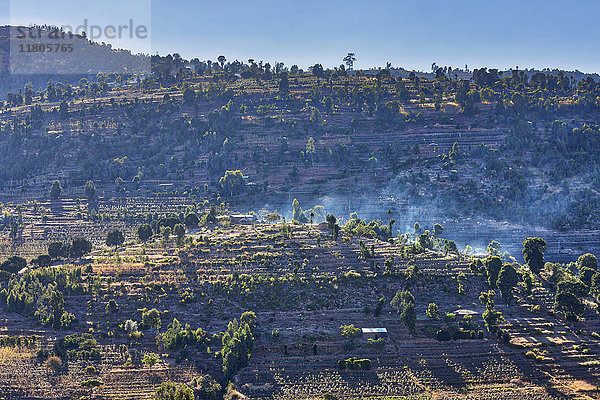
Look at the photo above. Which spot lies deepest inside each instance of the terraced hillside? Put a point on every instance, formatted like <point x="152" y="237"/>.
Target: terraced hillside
<point x="303" y="286"/>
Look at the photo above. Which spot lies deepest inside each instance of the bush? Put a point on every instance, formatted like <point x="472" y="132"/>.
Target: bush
<point x="130" y="326"/>
<point x="173" y="391"/>
<point x="150" y="359"/>
<point x="355" y="364"/>
<point x="443" y="335"/>
<point x="151" y="319"/>
<point x="376" y="343"/>
<point x="449" y="317"/>
<point x="349" y="331"/>
<point x="14" y="264"/>
<point x="92" y="383"/>
<point x="54" y="363"/>
<point x="205" y="387"/>
<point x="90" y="370"/>
<point x="76" y="346"/>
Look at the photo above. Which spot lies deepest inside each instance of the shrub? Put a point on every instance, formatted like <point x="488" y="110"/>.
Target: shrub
<point x="432" y="311"/>
<point x="92" y="383"/>
<point x="376" y="343"/>
<point x="76" y="346"/>
<point x="443" y="335"/>
<point x="175" y="336"/>
<point x="54" y="363"/>
<point x="130" y="326"/>
<point x="151" y="319"/>
<point x="349" y="331"/>
<point x="112" y="307"/>
<point x="150" y="359"/>
<point x="173" y="391"/>
<point x="205" y="387"/>
<point x="90" y="370"/>
<point x="355" y="364"/>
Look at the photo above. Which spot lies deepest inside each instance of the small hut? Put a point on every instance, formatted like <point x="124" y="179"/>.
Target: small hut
<point x="245" y="219"/>
<point x="460" y="313"/>
<point x="374" y="333"/>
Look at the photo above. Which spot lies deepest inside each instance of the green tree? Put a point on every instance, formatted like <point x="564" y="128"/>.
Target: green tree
<point x="57" y="250"/>
<point x="55" y="189"/>
<point x="189" y="95"/>
<point x="63" y="111"/>
<point x="249" y="318"/>
<point x="493" y="248"/>
<point x="174" y="391"/>
<point x="119" y="185"/>
<point x="533" y="253"/>
<point x="80" y="247"/>
<point x="349" y="60"/>
<point x="331" y="221"/>
<point x="166" y="233"/>
<point x="450" y="247"/>
<point x="432" y="311"/>
<point x="221" y="59"/>
<point x="567" y="298"/>
<point x="112" y="307"/>
<point x="57" y="303"/>
<point x="14" y="264"/>
<point x="179" y="231"/>
<point x="379" y="307"/>
<point x="144" y="232"/>
<point x="586" y="274"/>
<point x="527" y="279"/>
<point x="238" y="343"/>
<point x="404" y="304"/>
<point x="493" y="265"/>
<point x="232" y="182"/>
<point x="595" y="285"/>
<point x="90" y="190"/>
<point x="191" y="220"/>
<point x="206" y="388"/>
<point x="417" y="228"/>
<point x="43" y="260"/>
<point x="151" y="319"/>
<point x="317" y="70"/>
<point x="284" y="84"/>
<point x="587" y="260"/>
<point x="349" y="331"/>
<point x="425" y="241"/>
<point x="491" y="317"/>
<point x="408" y="316"/>
<point x="115" y="238"/>
<point x="297" y="213"/>
<point x="508" y="278"/>
<point x="438" y="229"/>
<point x="311" y="151"/>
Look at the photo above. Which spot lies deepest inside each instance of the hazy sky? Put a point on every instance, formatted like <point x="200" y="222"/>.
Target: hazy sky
<point x="407" y="33"/>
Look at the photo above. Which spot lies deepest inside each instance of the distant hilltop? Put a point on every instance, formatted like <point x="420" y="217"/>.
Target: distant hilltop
<point x="468" y="74"/>
<point x="68" y="59"/>
<point x="84" y="58"/>
<point x="68" y="53"/>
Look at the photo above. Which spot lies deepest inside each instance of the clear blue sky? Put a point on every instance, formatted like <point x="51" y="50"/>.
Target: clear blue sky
<point x="407" y="33"/>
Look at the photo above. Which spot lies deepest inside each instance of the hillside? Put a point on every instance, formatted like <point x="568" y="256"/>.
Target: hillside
<point x="240" y="230"/>
<point x="350" y="142"/>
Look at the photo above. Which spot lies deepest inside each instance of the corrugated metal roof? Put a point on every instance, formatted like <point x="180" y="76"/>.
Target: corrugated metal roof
<point x="374" y="330"/>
